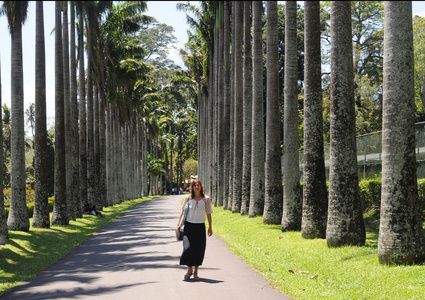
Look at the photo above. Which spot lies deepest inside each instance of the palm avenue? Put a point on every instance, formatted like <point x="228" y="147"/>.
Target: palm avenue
<point x="127" y="118"/>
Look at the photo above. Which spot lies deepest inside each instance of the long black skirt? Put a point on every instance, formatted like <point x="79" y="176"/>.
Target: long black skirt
<point x="194" y="243"/>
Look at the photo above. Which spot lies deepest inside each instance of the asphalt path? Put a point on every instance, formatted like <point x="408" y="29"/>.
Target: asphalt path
<point x="137" y="257"/>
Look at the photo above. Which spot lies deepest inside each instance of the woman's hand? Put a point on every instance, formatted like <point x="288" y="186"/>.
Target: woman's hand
<point x="210" y="232"/>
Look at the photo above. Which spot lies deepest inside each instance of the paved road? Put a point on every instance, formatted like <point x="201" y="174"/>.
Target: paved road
<point x="137" y="257"/>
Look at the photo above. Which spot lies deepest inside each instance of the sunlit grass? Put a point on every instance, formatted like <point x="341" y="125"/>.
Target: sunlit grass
<point x="308" y="269"/>
<point x="27" y="253"/>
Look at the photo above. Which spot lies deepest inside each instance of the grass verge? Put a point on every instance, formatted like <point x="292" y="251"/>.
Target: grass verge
<point x="308" y="269"/>
<point x="27" y="253"/>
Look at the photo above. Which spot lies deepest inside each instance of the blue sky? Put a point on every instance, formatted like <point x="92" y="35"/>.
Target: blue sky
<point x="163" y="11"/>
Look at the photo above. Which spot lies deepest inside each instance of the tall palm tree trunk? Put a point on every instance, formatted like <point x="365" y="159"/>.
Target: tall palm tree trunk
<point x="91" y="185"/>
<point x="345" y="224"/>
<point x="247" y="109"/>
<point x="4" y="234"/>
<point x="82" y="113"/>
<point x="238" y="119"/>
<point x="41" y="216"/>
<point x="273" y="187"/>
<point x="215" y="114"/>
<point x="60" y="208"/>
<point x="18" y="213"/>
<point x="96" y="154"/>
<point x="226" y="100"/>
<point x="67" y="112"/>
<point x="315" y="195"/>
<point x="108" y="155"/>
<point x="75" y="144"/>
<point x="210" y="174"/>
<point x="256" y="203"/>
<point x="145" y="164"/>
<point x="220" y="111"/>
<point x="401" y="236"/>
<point x="292" y="201"/>
<point x="103" y="187"/>
<point x="232" y="109"/>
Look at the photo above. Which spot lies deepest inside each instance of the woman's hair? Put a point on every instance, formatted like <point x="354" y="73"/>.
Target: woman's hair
<point x="194" y="182"/>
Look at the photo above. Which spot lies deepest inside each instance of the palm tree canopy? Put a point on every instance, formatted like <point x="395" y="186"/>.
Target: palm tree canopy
<point x="16" y="13"/>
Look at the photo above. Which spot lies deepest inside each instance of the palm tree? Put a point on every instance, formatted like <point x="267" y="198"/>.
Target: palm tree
<point x="102" y="186"/>
<point x="75" y="144"/>
<point x="256" y="203"/>
<point x="238" y="109"/>
<point x="91" y="186"/>
<point x="16" y="13"/>
<point x="401" y="236"/>
<point x="30" y="114"/>
<point x="292" y="201"/>
<point x="221" y="139"/>
<point x="3" y="222"/>
<point x="82" y="110"/>
<point x="232" y="109"/>
<point x="315" y="198"/>
<point x="67" y="112"/>
<point x="273" y="186"/>
<point x="210" y="126"/>
<point x="60" y="208"/>
<point x="41" y="204"/>
<point x="345" y="224"/>
<point x="227" y="100"/>
<point x="247" y="108"/>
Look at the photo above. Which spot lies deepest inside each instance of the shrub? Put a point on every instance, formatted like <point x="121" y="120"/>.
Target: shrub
<point x="370" y="193"/>
<point x="30" y="207"/>
<point x="421" y="196"/>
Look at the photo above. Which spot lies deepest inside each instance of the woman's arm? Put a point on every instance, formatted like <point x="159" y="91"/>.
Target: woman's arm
<point x="210" y="225"/>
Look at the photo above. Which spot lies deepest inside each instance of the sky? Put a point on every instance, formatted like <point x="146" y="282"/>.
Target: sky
<point x="163" y="11"/>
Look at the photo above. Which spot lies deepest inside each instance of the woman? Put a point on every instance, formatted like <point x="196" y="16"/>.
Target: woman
<point x="194" y="238"/>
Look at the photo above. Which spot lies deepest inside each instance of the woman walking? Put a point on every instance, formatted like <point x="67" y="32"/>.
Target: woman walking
<point x="194" y="237"/>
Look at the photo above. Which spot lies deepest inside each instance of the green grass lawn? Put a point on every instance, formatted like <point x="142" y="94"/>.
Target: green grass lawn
<point x="301" y="268"/>
<point x="308" y="269"/>
<point x="27" y="253"/>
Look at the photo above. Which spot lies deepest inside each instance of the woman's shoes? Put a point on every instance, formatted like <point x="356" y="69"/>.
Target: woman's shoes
<point x="187" y="276"/>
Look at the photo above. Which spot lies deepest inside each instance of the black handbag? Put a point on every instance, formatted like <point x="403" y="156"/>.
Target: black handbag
<point x="179" y="234"/>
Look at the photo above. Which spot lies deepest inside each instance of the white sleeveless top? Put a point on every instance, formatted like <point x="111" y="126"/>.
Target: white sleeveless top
<point x="198" y="209"/>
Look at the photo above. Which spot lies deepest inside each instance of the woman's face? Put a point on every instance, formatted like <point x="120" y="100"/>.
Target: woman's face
<point x="196" y="187"/>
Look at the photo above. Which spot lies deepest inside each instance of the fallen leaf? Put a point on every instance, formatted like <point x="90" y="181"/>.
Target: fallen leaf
<point x="293" y="271"/>
<point x="314" y="277"/>
<point x="304" y="272"/>
<point x="281" y="237"/>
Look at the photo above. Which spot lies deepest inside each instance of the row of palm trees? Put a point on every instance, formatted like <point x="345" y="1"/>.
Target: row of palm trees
<point x="240" y="153"/>
<point x="106" y="112"/>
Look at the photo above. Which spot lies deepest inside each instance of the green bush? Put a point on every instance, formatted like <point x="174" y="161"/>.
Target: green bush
<point x="370" y="193"/>
<point x="30" y="207"/>
<point x="421" y="198"/>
